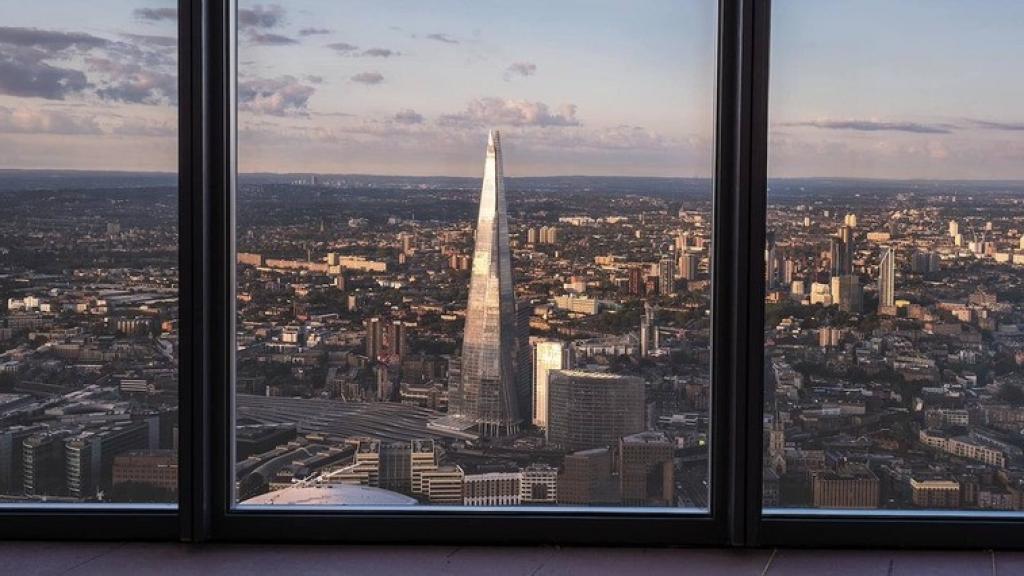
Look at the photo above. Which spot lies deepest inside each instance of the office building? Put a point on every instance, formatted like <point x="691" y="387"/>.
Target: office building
<point x="492" y="489"/>
<point x="89" y="456"/>
<point x="851" y="486"/>
<point x="646" y="469"/>
<point x="421" y="459"/>
<point x="488" y="395"/>
<point x="443" y="485"/>
<point x="593" y="409"/>
<point x="547" y="355"/>
<point x="586" y="479"/>
<point x="155" y="468"/>
<point x="666" y="275"/>
<point x="538" y="484"/>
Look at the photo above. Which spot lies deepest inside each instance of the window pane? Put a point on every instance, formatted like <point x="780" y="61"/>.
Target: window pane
<point x="473" y="253"/>
<point x="894" y="257"/>
<point x="88" y="253"/>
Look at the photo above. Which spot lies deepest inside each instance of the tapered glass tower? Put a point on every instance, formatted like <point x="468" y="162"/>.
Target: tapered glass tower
<point x="487" y="394"/>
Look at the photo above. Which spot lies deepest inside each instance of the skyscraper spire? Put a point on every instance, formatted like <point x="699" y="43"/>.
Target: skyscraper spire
<point x="487" y="394"/>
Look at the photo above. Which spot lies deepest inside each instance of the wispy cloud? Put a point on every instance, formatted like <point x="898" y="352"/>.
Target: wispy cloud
<point x="522" y="69"/>
<point x="368" y="78"/>
<point x="261" y="16"/>
<point x="270" y="39"/>
<point x="343" y="47"/>
<point x="408" y="116"/>
<point x="314" y="31"/>
<point x="875" y="126"/>
<point x="993" y="125"/>
<point x="156" y="14"/>
<point x="440" y="37"/>
<point x="380" y="53"/>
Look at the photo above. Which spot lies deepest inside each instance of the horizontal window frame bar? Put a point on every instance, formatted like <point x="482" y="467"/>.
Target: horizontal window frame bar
<point x="890" y="532"/>
<point x="101" y="523"/>
<point x="436" y="527"/>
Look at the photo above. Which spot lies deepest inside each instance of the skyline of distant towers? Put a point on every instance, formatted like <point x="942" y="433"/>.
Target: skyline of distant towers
<point x="487" y="393"/>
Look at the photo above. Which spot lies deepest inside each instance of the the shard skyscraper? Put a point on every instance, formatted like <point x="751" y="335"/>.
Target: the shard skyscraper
<point x="487" y="395"/>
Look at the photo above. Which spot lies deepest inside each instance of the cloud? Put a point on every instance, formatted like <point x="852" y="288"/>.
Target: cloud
<point x="281" y="96"/>
<point x="408" y="116"/>
<point x="30" y="77"/>
<point x="368" y="78"/>
<point x="270" y="39"/>
<point x="523" y="69"/>
<point x="260" y="16"/>
<point x="161" y="41"/>
<point x="314" y="31"/>
<point x="442" y="38"/>
<point x="876" y="126"/>
<point x="507" y="112"/>
<point x="140" y="70"/>
<point x="343" y="47"/>
<point x="134" y="83"/>
<point x="1008" y="126"/>
<point x="27" y="121"/>
<point x="156" y="14"/>
<point x="380" y="53"/>
<point x="49" y="40"/>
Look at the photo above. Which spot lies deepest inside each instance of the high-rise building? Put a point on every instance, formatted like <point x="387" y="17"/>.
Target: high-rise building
<point x="847" y="293"/>
<point x="487" y="394"/>
<point x="12" y="459"/>
<point x="648" y="332"/>
<point x="646" y="469"/>
<point x="522" y="361"/>
<point x="593" y="409"/>
<point x="666" y="275"/>
<point x="43" y="464"/>
<point x="407" y="243"/>
<point x="547" y="355"/>
<point x="374" y="338"/>
<point x="887" y="279"/>
<point x="689" y="264"/>
<point x="89" y="457"/>
<point x="683" y="242"/>
<point x="397" y="342"/>
<point x="954" y="228"/>
<point x="636" y="281"/>
<point x="586" y="478"/>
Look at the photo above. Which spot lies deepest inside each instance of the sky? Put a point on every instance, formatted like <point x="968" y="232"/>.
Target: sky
<point x="859" y="88"/>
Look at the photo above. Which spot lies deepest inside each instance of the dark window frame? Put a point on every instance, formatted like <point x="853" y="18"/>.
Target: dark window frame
<point x="206" y="227"/>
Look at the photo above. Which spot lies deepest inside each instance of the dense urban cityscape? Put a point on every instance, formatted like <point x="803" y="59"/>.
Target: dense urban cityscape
<point x="894" y="345"/>
<point x="892" y="356"/>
